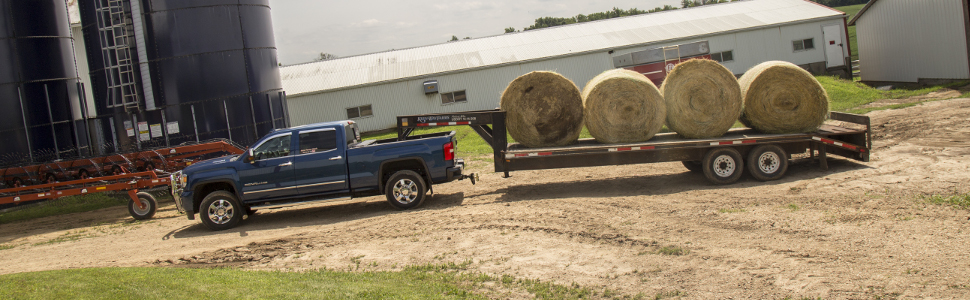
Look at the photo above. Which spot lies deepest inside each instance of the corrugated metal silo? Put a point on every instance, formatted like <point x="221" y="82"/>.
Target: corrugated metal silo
<point x="166" y="72"/>
<point x="39" y="119"/>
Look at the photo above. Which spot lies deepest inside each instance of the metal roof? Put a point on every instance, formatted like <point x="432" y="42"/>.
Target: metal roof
<point x="545" y="43"/>
<point x="861" y="12"/>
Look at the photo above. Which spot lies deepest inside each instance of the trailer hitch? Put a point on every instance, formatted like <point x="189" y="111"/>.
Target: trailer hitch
<point x="473" y="177"/>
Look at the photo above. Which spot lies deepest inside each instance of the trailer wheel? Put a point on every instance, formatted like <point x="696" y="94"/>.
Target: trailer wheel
<point x="723" y="165"/>
<point x="17" y="182"/>
<point x="693" y="166"/>
<point x="767" y="162"/>
<point x="148" y="201"/>
<point x="82" y="174"/>
<point x="220" y="210"/>
<point x="405" y="189"/>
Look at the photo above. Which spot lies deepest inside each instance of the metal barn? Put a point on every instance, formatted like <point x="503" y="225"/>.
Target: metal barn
<point x="471" y="74"/>
<point x="913" y="41"/>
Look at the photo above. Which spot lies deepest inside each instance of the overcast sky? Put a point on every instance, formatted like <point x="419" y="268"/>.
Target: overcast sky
<point x="304" y="28"/>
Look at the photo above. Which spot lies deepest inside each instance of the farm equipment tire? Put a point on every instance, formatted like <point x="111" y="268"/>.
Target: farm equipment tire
<point x="148" y="201"/>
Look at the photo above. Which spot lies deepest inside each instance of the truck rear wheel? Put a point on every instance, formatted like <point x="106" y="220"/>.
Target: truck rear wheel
<point x="220" y="210"/>
<point x="723" y="165"/>
<point x="405" y="189"/>
<point x="148" y="201"/>
<point x="767" y="162"/>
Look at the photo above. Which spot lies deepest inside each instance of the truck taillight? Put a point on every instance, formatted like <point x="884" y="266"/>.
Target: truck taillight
<point x="449" y="151"/>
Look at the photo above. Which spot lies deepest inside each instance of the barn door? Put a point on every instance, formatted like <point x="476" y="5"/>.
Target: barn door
<point x="832" y="36"/>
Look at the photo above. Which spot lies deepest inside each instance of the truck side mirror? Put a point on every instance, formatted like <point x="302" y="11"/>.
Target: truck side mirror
<point x="250" y="158"/>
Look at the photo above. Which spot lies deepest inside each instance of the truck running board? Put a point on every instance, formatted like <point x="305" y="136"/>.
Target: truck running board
<point x="288" y="204"/>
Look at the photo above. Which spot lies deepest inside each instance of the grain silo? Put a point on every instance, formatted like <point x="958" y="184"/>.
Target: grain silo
<point x="40" y="119"/>
<point x="165" y="72"/>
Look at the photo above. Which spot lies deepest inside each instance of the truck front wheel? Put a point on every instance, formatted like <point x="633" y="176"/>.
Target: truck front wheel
<point x="220" y="210"/>
<point x="405" y="189"/>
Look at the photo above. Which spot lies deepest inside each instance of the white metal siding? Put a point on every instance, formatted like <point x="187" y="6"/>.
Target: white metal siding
<point x="904" y="41"/>
<point x="559" y="41"/>
<point x="484" y="87"/>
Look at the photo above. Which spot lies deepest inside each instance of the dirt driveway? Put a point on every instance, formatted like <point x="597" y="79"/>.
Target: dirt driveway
<point x="856" y="231"/>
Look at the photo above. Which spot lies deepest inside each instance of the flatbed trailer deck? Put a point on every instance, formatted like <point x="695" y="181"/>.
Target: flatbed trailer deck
<point x="721" y="159"/>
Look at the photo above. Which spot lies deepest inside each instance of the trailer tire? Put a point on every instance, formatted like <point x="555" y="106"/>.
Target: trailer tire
<point x="723" y="165"/>
<point x="405" y="189"/>
<point x="150" y="206"/>
<point x="767" y="162"/>
<point x="694" y="166"/>
<point x="220" y="210"/>
<point x="82" y="174"/>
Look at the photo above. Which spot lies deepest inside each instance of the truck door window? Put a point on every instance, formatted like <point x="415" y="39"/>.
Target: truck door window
<point x="318" y="141"/>
<point x="273" y="148"/>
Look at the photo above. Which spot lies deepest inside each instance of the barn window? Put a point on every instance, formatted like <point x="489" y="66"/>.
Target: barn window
<point x="726" y="56"/>
<point x="453" y="97"/>
<point x="359" y="112"/>
<point x="806" y="44"/>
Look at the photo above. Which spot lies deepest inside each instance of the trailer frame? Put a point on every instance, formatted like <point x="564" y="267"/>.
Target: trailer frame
<point x="852" y="139"/>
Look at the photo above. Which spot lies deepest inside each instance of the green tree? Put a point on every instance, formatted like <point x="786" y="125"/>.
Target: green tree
<point x="510" y="30"/>
<point x="325" y="56"/>
<point x="453" y="38"/>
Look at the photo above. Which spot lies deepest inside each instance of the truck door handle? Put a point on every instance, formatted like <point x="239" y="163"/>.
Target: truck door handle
<point x="336" y="157"/>
<point x="286" y="164"/>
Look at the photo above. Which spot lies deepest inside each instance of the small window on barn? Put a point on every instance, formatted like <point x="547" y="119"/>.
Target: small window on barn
<point x="806" y="44"/>
<point x="359" y="112"/>
<point x="453" y="97"/>
<point x="726" y="56"/>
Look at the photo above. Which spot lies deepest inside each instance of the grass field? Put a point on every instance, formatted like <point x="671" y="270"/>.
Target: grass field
<point x="418" y="282"/>
<point x="63" y="206"/>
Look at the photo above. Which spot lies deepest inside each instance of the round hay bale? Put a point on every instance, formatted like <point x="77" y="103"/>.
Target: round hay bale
<point x="703" y="99"/>
<point x="622" y="106"/>
<point x="780" y="97"/>
<point x="543" y="109"/>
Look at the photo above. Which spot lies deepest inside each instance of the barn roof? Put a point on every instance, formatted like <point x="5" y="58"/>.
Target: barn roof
<point x="573" y="39"/>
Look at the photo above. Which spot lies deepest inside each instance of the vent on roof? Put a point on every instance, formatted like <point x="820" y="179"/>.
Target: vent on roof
<point x="430" y="86"/>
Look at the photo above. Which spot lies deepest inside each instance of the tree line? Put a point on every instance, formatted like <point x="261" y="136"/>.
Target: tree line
<point x="545" y="22"/>
<point x="616" y="12"/>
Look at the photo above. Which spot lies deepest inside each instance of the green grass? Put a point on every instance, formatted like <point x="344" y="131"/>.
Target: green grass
<point x="852" y="10"/>
<point x="672" y="250"/>
<point x="63" y="206"/>
<point x="847" y="96"/>
<point x="958" y="200"/>
<point x="419" y="282"/>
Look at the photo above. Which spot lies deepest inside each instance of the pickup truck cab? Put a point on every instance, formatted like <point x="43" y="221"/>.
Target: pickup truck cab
<point x="316" y="162"/>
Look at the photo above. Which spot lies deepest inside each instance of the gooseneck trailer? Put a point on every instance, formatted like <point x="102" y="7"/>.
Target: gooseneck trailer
<point x="722" y="160"/>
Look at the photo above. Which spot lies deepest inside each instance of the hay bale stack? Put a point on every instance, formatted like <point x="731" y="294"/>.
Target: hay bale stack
<point x="622" y="106"/>
<point x="543" y="109"/>
<point x="780" y="97"/>
<point x="703" y="99"/>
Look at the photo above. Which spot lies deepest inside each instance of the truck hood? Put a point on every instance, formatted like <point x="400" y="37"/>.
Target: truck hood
<point x="214" y="163"/>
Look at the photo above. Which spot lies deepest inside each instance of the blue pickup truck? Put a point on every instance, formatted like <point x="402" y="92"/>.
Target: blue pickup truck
<point x="317" y="162"/>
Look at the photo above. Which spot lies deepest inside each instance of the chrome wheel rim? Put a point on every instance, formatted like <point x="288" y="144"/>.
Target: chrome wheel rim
<point x="769" y="162"/>
<point x="139" y="211"/>
<point x="724" y="166"/>
<point x="405" y="191"/>
<point x="220" y="212"/>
